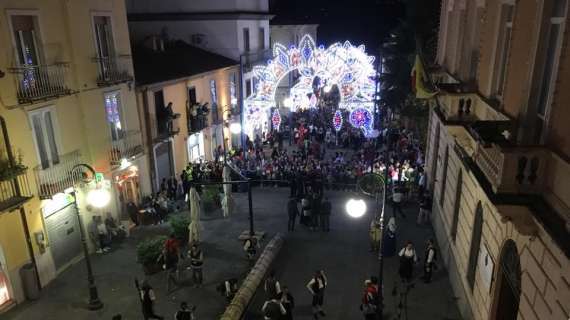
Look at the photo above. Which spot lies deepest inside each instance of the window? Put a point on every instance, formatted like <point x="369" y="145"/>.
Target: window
<point x="502" y="50"/>
<point x="192" y="96"/>
<point x="548" y="66"/>
<point x="248" y="87"/>
<point x="25" y="28"/>
<point x="114" y="117"/>
<point x="262" y="38"/>
<point x="103" y="36"/>
<point x="246" y="39"/>
<point x="444" y="178"/>
<point x="214" y="99"/>
<point x="457" y="206"/>
<point x="45" y="137"/>
<point x="475" y="245"/>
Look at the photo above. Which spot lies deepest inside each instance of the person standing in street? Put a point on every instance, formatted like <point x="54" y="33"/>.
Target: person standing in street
<point x="369" y="300"/>
<point x="171" y="256"/>
<point x="326" y="209"/>
<point x="273" y="309"/>
<point x="288" y="302"/>
<point x="389" y="245"/>
<point x="375" y="234"/>
<point x="185" y="312"/>
<point x="429" y="261"/>
<point x="293" y="212"/>
<point x="408" y="258"/>
<point x="317" y="286"/>
<point x="425" y="208"/>
<point x="147" y="296"/>
<point x="271" y="286"/>
<point x="397" y="197"/>
<point x="196" y="263"/>
<point x="315" y="211"/>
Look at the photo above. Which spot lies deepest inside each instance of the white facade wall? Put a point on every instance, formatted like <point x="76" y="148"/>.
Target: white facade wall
<point x="138" y="6"/>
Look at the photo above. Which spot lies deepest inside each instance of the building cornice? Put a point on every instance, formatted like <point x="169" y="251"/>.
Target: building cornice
<point x="215" y="15"/>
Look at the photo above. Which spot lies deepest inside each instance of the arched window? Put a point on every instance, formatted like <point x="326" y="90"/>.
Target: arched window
<point x="443" y="177"/>
<point x="457" y="205"/>
<point x="508" y="288"/>
<point x="475" y="245"/>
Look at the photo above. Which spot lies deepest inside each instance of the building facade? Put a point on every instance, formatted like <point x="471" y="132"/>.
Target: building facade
<point x="498" y="157"/>
<point x="201" y="88"/>
<point x="67" y="97"/>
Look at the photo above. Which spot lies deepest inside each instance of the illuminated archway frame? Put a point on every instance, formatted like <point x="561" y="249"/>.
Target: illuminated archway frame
<point x="341" y="64"/>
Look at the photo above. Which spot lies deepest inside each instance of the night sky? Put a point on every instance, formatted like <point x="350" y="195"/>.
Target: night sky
<point x="360" y="21"/>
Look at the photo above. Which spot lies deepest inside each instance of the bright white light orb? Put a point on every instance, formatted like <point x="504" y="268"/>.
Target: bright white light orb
<point x="98" y="198"/>
<point x="235" y="128"/>
<point x="356" y="208"/>
<point x="288" y="102"/>
<point x="233" y="101"/>
<point x="327" y="88"/>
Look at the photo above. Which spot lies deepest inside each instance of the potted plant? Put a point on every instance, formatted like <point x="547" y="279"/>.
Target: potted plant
<point x="211" y="198"/>
<point x="148" y="254"/>
<point x="9" y="170"/>
<point x="179" y="225"/>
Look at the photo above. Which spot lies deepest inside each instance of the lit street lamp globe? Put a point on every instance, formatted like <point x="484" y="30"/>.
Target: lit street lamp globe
<point x="327" y="88"/>
<point x="235" y="128"/>
<point x="288" y="102"/>
<point x="98" y="198"/>
<point x="356" y="208"/>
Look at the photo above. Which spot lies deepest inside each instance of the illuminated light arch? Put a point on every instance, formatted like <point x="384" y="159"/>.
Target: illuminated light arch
<point x="341" y="64"/>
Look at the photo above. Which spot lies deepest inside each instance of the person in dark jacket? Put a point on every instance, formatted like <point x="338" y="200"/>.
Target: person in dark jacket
<point x="293" y="212"/>
<point x="147" y="296"/>
<point x="185" y="312"/>
<point x="325" y="215"/>
<point x="288" y="302"/>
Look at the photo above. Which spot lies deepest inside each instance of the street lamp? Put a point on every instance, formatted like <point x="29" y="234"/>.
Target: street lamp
<point x="356" y="208"/>
<point x="288" y="102"/>
<point x="235" y="128"/>
<point x="97" y="198"/>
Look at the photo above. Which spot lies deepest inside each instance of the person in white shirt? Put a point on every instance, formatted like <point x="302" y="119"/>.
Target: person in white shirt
<point x="429" y="260"/>
<point x="317" y="286"/>
<point x="408" y="258"/>
<point x="397" y="197"/>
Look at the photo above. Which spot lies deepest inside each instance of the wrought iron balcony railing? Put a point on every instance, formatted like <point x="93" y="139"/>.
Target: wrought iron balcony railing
<point x="14" y="189"/>
<point x="113" y="70"/>
<point x="41" y="82"/>
<point x="168" y="126"/>
<point x="127" y="146"/>
<point x="57" y="177"/>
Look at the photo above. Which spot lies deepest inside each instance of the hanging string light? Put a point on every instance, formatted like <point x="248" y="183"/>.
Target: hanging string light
<point x="337" y="120"/>
<point x="276" y="119"/>
<point x="361" y="118"/>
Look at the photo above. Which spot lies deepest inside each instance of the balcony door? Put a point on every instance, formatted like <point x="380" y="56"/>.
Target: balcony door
<point x="104" y="44"/>
<point x="5" y="296"/>
<point x="113" y="111"/>
<point x="25" y="28"/>
<point x="45" y="136"/>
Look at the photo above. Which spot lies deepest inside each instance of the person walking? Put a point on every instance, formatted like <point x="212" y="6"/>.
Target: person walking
<point x="408" y="258"/>
<point x="375" y="234"/>
<point x="306" y="206"/>
<point x="369" y="300"/>
<point x="425" y="208"/>
<point x="293" y="212"/>
<point x="326" y="209"/>
<point x="185" y="312"/>
<point x="288" y="302"/>
<point x="389" y="245"/>
<point x="250" y="247"/>
<point x="271" y="286"/>
<point x="315" y="211"/>
<point x="317" y="286"/>
<point x="147" y="296"/>
<point x="273" y="309"/>
<point x="171" y="256"/>
<point x="397" y="197"/>
<point x="429" y="260"/>
<point x="196" y="263"/>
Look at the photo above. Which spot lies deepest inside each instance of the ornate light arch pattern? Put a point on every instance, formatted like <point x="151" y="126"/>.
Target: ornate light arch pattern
<point x="342" y="64"/>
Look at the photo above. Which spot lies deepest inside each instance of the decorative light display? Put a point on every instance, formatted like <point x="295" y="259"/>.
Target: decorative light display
<point x="337" y="120"/>
<point x="341" y="64"/>
<point x="361" y="118"/>
<point x="276" y="119"/>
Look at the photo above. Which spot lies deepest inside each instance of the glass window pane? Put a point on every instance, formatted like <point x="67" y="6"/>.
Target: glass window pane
<point x="548" y="69"/>
<point x="559" y="8"/>
<point x="50" y="133"/>
<point x="40" y="143"/>
<point x="113" y="111"/>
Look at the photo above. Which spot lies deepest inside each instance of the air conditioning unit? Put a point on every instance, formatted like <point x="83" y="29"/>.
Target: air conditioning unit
<point x="198" y="40"/>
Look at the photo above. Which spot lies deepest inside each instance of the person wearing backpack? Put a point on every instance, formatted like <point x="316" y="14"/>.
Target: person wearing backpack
<point x="429" y="261"/>
<point x="272" y="286"/>
<point x="273" y="309"/>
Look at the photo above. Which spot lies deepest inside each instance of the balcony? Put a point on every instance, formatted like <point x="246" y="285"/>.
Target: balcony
<point x="127" y="147"/>
<point x="468" y="107"/>
<point x="113" y="70"/>
<point x="253" y="58"/>
<point x="58" y="176"/>
<point x="14" y="187"/>
<point x="42" y="82"/>
<point x="168" y="126"/>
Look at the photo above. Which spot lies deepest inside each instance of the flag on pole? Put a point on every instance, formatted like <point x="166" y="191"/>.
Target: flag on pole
<point x="418" y="81"/>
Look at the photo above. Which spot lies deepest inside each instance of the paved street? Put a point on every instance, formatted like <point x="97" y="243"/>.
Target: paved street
<point x="343" y="253"/>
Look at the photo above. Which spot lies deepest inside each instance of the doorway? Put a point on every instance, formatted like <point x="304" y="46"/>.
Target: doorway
<point x="5" y="297"/>
<point x="508" y="287"/>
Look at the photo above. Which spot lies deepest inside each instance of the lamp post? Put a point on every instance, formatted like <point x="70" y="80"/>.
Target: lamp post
<point x="372" y="184"/>
<point x="97" y="198"/>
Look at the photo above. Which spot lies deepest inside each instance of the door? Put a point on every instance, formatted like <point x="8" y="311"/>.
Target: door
<point x="64" y="236"/>
<point x="43" y="127"/>
<point x="508" y="287"/>
<point x="5" y="297"/>
<point x="163" y="160"/>
<point x="105" y="46"/>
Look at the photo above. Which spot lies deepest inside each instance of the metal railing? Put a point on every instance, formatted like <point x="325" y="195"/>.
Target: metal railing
<point x="168" y="126"/>
<point x="490" y="160"/>
<point x="40" y="82"/>
<point x="128" y="146"/>
<point x="253" y="58"/>
<point x="197" y="123"/>
<point x="113" y="70"/>
<point x="57" y="177"/>
<point x="14" y="191"/>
